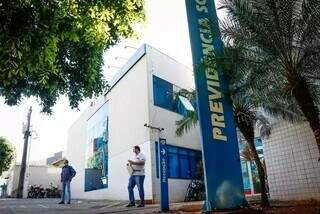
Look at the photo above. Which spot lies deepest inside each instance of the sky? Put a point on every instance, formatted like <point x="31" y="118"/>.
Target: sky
<point x="165" y="29"/>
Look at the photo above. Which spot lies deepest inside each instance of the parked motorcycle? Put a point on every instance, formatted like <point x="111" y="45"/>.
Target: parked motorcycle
<point x="195" y="191"/>
<point x="36" y="191"/>
<point x="52" y="192"/>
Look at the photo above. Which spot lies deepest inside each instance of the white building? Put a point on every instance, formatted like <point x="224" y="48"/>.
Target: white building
<point x="100" y="142"/>
<point x="291" y="156"/>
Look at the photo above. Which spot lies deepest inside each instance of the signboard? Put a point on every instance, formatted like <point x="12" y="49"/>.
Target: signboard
<point x="223" y="178"/>
<point x="163" y="158"/>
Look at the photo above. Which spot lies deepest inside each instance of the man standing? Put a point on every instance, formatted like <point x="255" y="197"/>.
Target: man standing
<point x="67" y="173"/>
<point x="137" y="177"/>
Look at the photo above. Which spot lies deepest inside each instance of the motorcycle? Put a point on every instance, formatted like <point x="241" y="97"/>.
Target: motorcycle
<point x="36" y="191"/>
<point x="52" y="192"/>
<point x="195" y="191"/>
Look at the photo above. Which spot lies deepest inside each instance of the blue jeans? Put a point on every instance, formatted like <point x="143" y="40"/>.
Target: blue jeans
<point x="136" y="180"/>
<point x="66" y="187"/>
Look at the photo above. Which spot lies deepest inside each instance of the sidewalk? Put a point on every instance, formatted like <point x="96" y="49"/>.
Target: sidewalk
<point x="44" y="206"/>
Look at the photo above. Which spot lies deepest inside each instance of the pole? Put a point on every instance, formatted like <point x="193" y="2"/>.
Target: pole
<point x="220" y="152"/>
<point x="163" y="169"/>
<point x="163" y="172"/>
<point x="24" y="156"/>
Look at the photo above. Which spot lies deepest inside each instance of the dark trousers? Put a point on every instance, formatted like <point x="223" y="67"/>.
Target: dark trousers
<point x="133" y="181"/>
<point x="66" y="188"/>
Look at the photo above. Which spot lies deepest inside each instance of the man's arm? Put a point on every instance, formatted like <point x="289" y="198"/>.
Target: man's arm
<point x="73" y="172"/>
<point x="139" y="162"/>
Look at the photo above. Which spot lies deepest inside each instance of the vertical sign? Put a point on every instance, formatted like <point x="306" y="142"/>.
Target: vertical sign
<point x="164" y="198"/>
<point x="223" y="178"/>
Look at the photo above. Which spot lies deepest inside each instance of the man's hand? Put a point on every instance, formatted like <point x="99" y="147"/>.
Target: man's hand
<point x="130" y="162"/>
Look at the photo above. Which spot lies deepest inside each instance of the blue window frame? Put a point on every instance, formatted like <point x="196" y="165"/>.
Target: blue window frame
<point x="182" y="162"/>
<point x="163" y="96"/>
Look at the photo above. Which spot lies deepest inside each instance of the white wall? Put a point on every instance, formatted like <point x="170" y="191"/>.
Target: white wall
<point x="128" y="112"/>
<point x="172" y="71"/>
<point x="76" y="149"/>
<point x="35" y="175"/>
<point x="291" y="156"/>
<point x="130" y="107"/>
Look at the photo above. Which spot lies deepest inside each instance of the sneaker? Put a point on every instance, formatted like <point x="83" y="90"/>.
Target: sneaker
<point x="61" y="202"/>
<point x="130" y="205"/>
<point x="68" y="202"/>
<point x="140" y="205"/>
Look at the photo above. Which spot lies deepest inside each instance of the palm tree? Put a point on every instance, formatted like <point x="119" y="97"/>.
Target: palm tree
<point x="281" y="43"/>
<point x="247" y="118"/>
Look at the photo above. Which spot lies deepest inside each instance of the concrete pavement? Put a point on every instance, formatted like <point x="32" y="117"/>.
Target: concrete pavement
<point x="43" y="206"/>
<point x="50" y="206"/>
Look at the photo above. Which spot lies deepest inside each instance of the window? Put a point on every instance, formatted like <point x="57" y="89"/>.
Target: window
<point x="182" y="162"/>
<point x="249" y="169"/>
<point x="163" y="96"/>
<point x="96" y="164"/>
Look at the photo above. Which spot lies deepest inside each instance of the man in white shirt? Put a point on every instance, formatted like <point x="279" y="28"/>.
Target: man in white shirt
<point x="137" y="177"/>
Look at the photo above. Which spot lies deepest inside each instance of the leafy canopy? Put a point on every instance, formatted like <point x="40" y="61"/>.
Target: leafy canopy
<point x="7" y="155"/>
<point x="54" y="47"/>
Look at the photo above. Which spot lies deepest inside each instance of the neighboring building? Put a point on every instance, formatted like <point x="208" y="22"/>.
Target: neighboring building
<point x="291" y="156"/>
<point x="35" y="175"/>
<point x="100" y="142"/>
<point x="56" y="157"/>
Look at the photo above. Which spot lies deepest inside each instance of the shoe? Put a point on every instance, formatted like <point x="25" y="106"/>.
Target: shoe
<point x="68" y="202"/>
<point x="131" y="205"/>
<point x="140" y="205"/>
<point x="61" y="202"/>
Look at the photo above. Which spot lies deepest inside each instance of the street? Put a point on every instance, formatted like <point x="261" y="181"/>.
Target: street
<point x="34" y="206"/>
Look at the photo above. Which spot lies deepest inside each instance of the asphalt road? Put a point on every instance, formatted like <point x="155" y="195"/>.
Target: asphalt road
<point x="44" y="206"/>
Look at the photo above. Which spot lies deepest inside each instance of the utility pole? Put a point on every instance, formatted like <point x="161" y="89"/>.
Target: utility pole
<point x="24" y="156"/>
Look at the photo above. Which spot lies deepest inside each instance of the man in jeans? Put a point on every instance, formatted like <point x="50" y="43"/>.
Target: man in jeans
<point x="137" y="177"/>
<point x="67" y="173"/>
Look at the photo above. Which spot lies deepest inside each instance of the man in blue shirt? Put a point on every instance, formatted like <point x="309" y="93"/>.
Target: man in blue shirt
<point x="67" y="173"/>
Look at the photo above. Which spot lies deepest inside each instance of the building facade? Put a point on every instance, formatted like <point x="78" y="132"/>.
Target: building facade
<point x="142" y="94"/>
<point x="100" y="142"/>
<point x="291" y="157"/>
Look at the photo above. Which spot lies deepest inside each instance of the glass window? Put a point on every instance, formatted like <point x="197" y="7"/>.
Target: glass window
<point x="245" y="176"/>
<point x="185" y="171"/>
<point x="173" y="165"/>
<point x="182" y="162"/>
<point x="163" y="93"/>
<point x="163" y="96"/>
<point x="96" y="164"/>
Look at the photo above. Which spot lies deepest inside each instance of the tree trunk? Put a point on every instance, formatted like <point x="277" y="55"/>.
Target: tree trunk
<point x="247" y="130"/>
<point x="261" y="173"/>
<point x="307" y="105"/>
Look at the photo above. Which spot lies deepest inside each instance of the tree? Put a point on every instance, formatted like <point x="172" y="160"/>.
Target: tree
<point x="247" y="117"/>
<point x="49" y="48"/>
<point x="7" y="155"/>
<point x="281" y="43"/>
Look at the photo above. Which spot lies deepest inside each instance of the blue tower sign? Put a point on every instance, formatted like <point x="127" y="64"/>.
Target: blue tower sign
<point x="222" y="168"/>
<point x="163" y="157"/>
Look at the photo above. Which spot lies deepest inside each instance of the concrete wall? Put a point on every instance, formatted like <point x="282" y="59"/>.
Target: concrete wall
<point x="291" y="156"/>
<point x="35" y="175"/>
<point x="176" y="73"/>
